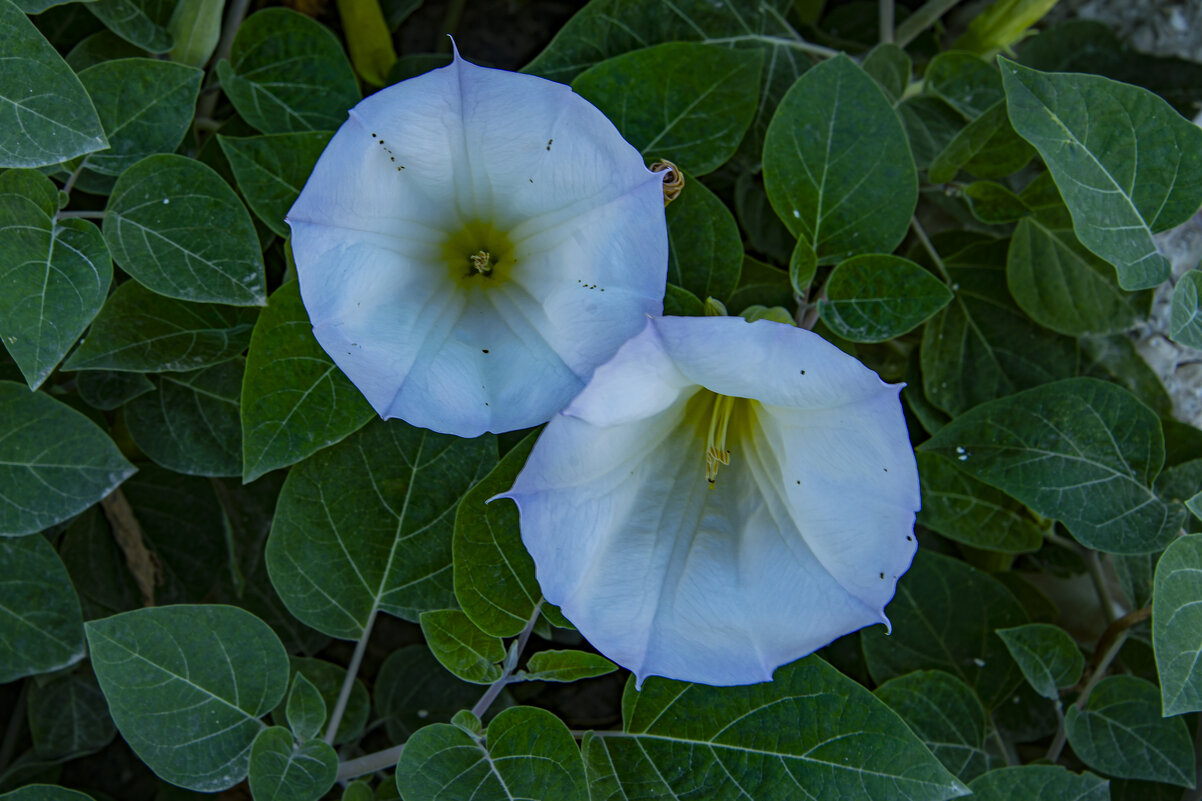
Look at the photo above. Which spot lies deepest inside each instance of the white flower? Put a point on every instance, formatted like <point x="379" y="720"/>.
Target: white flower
<point x="722" y="498"/>
<point x="473" y="243"/>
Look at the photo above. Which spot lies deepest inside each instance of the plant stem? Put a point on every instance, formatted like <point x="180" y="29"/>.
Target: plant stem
<point x="233" y="21"/>
<point x="922" y="19"/>
<point x="1098" y="577"/>
<point x="886" y="21"/>
<point x="490" y="695"/>
<point x="930" y="249"/>
<point x="86" y="215"/>
<point x="362" y="766"/>
<point x="1196" y="793"/>
<point x="1056" y="539"/>
<point x="1061" y="735"/>
<point x="348" y="683"/>
<point x="70" y="184"/>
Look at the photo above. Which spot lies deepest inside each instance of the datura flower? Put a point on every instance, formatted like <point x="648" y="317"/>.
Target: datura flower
<point x="472" y="243"/>
<point x="722" y="498"/>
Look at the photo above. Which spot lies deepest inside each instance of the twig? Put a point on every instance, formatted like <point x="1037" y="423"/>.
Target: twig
<point x="348" y="683"/>
<point x="930" y="249"/>
<point x="70" y="184"/>
<point x="370" y="763"/>
<point x="1094" y="565"/>
<point x="922" y="19"/>
<point x="886" y="21"/>
<point x="127" y="531"/>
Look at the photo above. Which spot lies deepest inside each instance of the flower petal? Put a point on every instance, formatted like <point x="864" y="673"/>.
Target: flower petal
<point x="669" y="577"/>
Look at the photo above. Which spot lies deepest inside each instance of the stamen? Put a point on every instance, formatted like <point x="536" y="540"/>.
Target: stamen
<point x="481" y="262"/>
<point x="715" y="448"/>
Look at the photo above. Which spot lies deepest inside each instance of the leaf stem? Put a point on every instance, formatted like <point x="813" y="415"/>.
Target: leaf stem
<point x="348" y="683"/>
<point x="85" y="215"/>
<point x="1098" y="577"/>
<point x="1061" y="735"/>
<point x="886" y="21"/>
<point x="494" y="689"/>
<point x="921" y="233"/>
<point x="370" y="763"/>
<point x="922" y="19"/>
<point x="233" y="21"/>
<point x="70" y="184"/>
<point x="1007" y="750"/>
<point x="797" y="43"/>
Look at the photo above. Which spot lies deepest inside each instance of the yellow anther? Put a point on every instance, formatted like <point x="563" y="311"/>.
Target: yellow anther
<point x="481" y="262"/>
<point x="715" y="447"/>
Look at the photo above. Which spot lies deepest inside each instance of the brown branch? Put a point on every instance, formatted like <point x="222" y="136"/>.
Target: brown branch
<point x="127" y="531"/>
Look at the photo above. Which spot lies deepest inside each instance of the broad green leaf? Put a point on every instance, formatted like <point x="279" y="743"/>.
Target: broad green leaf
<point x="1047" y="656"/>
<point x="837" y="165"/>
<point x="365" y="526"/>
<point x="54" y="462"/>
<point x="1120" y="733"/>
<point x="705" y="251"/>
<point x="685" y="102"/>
<point x="195" y="28"/>
<point x="930" y="124"/>
<point x="295" y="401"/>
<point x="1126" y="163"/>
<point x="981" y="346"/>
<point x="964" y="81"/>
<point x="107" y="390"/>
<point x="963" y="509"/>
<point x="97" y="567"/>
<point x="143" y="332"/>
<point x="145" y="105"/>
<point x="494" y="575"/>
<point x="186" y="686"/>
<point x="680" y="302"/>
<point x="282" y="769"/>
<point x="1002" y="24"/>
<point x="1080" y="451"/>
<point x="876" y="297"/>
<point x="271" y="170"/>
<point x="44" y="792"/>
<point x="40" y="623"/>
<point x="692" y="741"/>
<point x="1064" y="287"/>
<point x="327" y="678"/>
<point x="139" y="22"/>
<point x="413" y="690"/>
<point x="1039" y="783"/>
<point x="358" y="791"/>
<point x="889" y="65"/>
<point x="56" y="274"/>
<point x="946" y="716"/>
<point x="607" y="28"/>
<point x="987" y="148"/>
<point x="566" y="666"/>
<point x="288" y="73"/>
<point x="527" y="753"/>
<point x="99" y="47"/>
<point x="68" y="716"/>
<point x="46" y="116"/>
<point x="1177" y="625"/>
<point x="191" y="424"/>
<point x="178" y="229"/>
<point x="306" y="709"/>
<point x="943" y="618"/>
<point x="1114" y="358"/>
<point x="1185" y="316"/>
<point x="993" y="203"/>
<point x="461" y="647"/>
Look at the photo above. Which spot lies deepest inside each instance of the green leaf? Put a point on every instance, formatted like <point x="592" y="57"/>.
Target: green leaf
<point x="55" y="273"/>
<point x="981" y="346"/>
<point x="685" y="102"/>
<point x="145" y="105"/>
<point x="1185" y="316"/>
<point x="54" y="462"/>
<point x="876" y="297"/>
<point x="358" y="791"/>
<point x="106" y="390"/>
<point x="186" y="686"/>
<point x="987" y="147"/>
<point x="295" y="401"/>
<point x="44" y="792"/>
<point x="68" y="716"/>
<point x="692" y="741"/>
<point x="40" y="622"/>
<point x="141" y="331"/>
<point x="527" y="753"/>
<point x="494" y="575"/>
<point x="705" y="251"/>
<point x="282" y="769"/>
<point x="1046" y="654"/>
<point x="365" y="526"/>
<point x="1064" y="287"/>
<point x="1038" y="783"/>
<point x="461" y="647"/>
<point x="1120" y="733"/>
<point x="1080" y="451"/>
<point x="288" y="73"/>
<point x="272" y="170"/>
<point x="930" y="124"/>
<point x="139" y="22"/>
<point x="328" y="679"/>
<point x="994" y="204"/>
<point x="1114" y="358"/>
<point x="306" y="710"/>
<point x="195" y="28"/>
<point x="566" y="666"/>
<point x="99" y="47"/>
<point x="178" y="229"/>
<point x="964" y="81"/>
<point x="889" y="65"/>
<point x="943" y="618"/>
<point x="681" y="302"/>
<point x="963" y="509"/>
<point x="413" y="690"/>
<point x="1126" y="163"/>
<point x="837" y="165"/>
<point x="946" y="716"/>
<point x="191" y="425"/>
<point x="1177" y="625"/>
<point x="46" y="116"/>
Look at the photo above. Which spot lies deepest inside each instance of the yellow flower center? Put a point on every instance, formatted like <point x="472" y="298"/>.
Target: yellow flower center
<point x="478" y="255"/>
<point x="716" y="452"/>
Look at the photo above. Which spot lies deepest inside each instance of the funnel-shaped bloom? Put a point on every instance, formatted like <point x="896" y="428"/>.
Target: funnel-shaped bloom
<point x="722" y="498"/>
<point x="473" y="243"/>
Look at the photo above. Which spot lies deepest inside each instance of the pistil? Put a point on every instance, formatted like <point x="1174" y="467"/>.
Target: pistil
<point x="715" y="448"/>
